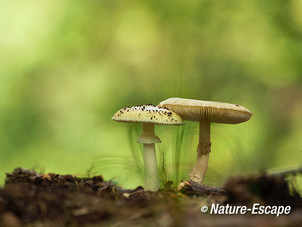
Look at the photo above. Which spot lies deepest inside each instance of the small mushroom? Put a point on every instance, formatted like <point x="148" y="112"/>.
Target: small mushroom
<point x="205" y="112"/>
<point x="148" y="115"/>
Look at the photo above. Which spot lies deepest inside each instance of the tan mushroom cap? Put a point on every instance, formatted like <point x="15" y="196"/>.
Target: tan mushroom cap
<point x="196" y="110"/>
<point x="148" y="114"/>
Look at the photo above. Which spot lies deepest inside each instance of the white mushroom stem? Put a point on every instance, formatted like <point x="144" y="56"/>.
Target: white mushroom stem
<point x="148" y="129"/>
<point x="151" y="175"/>
<point x="150" y="161"/>
<point x="203" y="151"/>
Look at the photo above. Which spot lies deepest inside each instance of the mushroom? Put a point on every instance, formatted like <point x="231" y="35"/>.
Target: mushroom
<point x="148" y="115"/>
<point x="205" y="112"/>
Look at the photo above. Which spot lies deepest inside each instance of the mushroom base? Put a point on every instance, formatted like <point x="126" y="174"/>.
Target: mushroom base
<point x="203" y="152"/>
<point x="151" y="174"/>
<point x="201" y="165"/>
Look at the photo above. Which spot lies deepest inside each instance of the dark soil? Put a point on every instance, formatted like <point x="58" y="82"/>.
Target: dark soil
<point x="33" y="199"/>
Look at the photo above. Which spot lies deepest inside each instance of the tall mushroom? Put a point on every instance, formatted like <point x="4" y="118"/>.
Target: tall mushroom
<point x="148" y="115"/>
<point x="205" y="112"/>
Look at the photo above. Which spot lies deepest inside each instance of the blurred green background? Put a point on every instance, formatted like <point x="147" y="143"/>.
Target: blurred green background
<point x="67" y="66"/>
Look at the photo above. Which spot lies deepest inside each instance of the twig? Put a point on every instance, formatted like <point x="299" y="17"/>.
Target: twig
<point x="193" y="188"/>
<point x="286" y="172"/>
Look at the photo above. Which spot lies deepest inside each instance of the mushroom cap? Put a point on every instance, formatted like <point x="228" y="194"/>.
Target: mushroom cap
<point x="196" y="110"/>
<point x="148" y="114"/>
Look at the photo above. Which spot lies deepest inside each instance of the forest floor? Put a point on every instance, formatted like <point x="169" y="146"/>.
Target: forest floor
<point x="32" y="199"/>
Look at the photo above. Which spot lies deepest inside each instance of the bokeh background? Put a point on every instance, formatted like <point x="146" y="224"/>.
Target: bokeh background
<point x="67" y="66"/>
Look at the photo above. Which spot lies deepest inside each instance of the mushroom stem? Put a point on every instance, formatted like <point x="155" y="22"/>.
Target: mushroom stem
<point x="203" y="151"/>
<point x="150" y="161"/>
<point x="151" y="175"/>
<point x="148" y="129"/>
